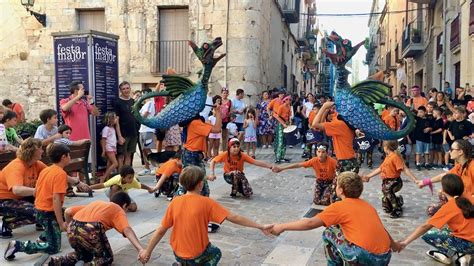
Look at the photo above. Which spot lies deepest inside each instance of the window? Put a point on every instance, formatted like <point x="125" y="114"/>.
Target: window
<point x="439" y="46"/>
<point x="91" y="19"/>
<point x="471" y="19"/>
<point x="454" y="33"/>
<point x="457" y="74"/>
<point x="172" y="50"/>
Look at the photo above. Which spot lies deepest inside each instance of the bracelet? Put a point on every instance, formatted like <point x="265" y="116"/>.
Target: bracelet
<point x="427" y="182"/>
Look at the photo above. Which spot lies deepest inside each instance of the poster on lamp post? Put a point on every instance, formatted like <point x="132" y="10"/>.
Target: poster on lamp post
<point x="91" y="57"/>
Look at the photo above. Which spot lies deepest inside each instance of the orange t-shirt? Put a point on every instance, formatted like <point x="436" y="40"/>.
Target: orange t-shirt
<point x="322" y="170"/>
<point x="451" y="215"/>
<point x="342" y="137"/>
<point x="235" y="163"/>
<point x="283" y="112"/>
<point x="189" y="215"/>
<point x="417" y="102"/>
<point x="169" y="168"/>
<point x="367" y="232"/>
<point x="467" y="177"/>
<point x="311" y="117"/>
<point x="109" y="214"/>
<point x="391" y="122"/>
<point x="52" y="180"/>
<point x="392" y="166"/>
<point x="18" y="173"/>
<point x="273" y="105"/>
<point x="197" y="136"/>
<point x="384" y="114"/>
<point x="20" y="114"/>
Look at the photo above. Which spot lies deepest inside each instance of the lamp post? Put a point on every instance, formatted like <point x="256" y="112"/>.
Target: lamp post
<point x="312" y="40"/>
<point x="41" y="18"/>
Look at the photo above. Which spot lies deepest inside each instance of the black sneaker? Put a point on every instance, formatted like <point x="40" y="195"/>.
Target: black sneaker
<point x="6" y="231"/>
<point x="418" y="167"/>
<point x="39" y="227"/>
<point x="212" y="227"/>
<point x="10" y="251"/>
<point x="428" y="166"/>
<point x="286" y="160"/>
<point x="277" y="161"/>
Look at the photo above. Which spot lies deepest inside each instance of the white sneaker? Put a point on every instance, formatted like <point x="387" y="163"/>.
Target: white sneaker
<point x="144" y="172"/>
<point x="303" y="146"/>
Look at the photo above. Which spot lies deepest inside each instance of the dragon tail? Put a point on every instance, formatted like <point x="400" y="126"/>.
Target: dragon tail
<point x="139" y="104"/>
<point x="394" y="135"/>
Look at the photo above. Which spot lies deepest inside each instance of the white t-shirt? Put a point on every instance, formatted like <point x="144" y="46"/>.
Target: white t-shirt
<point x="207" y="109"/>
<point x="42" y="133"/>
<point x="232" y="129"/>
<point x="3" y="137"/>
<point x="238" y="105"/>
<point x="150" y="108"/>
<point x="309" y="107"/>
<point x="108" y="133"/>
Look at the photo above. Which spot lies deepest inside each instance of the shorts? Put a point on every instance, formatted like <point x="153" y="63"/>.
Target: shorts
<point x="435" y="147"/>
<point x="240" y="127"/>
<point x="160" y="134"/>
<point x="224" y="125"/>
<point x="129" y="146"/>
<point x="146" y="140"/>
<point x="446" y="147"/>
<point x="422" y="147"/>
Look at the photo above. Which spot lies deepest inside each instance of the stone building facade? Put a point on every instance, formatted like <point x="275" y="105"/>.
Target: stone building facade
<point x="261" y="39"/>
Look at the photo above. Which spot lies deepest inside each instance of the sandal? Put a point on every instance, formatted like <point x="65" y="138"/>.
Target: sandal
<point x="438" y="256"/>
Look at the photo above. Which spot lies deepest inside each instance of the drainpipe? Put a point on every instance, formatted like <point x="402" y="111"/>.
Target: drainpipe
<point x="227" y="42"/>
<point x="445" y="42"/>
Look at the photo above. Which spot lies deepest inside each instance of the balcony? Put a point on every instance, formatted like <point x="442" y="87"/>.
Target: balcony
<point x="169" y="54"/>
<point x="412" y="39"/>
<point x="471" y="19"/>
<point x="291" y="10"/>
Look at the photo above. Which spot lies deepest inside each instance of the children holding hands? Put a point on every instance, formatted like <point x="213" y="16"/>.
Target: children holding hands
<point x="189" y="216"/>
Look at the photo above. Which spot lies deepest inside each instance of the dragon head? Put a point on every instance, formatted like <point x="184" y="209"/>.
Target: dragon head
<point x="205" y="53"/>
<point x="344" y="49"/>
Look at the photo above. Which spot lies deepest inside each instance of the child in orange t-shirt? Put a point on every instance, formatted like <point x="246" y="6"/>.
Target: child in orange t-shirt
<point x="87" y="227"/>
<point x="391" y="120"/>
<point x="325" y="172"/>
<point x="234" y="160"/>
<point x="348" y="237"/>
<point x="282" y="115"/>
<point x="458" y="215"/>
<point x="49" y="197"/>
<point x="390" y="171"/>
<point x="189" y="216"/>
<point x="167" y="176"/>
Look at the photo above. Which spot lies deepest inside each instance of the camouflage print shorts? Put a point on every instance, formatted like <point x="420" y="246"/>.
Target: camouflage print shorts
<point x="350" y="165"/>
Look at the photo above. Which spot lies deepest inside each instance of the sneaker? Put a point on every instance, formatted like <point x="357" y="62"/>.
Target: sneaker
<point x="10" y="251"/>
<point x="438" y="256"/>
<point x="428" y="166"/>
<point x="144" y="172"/>
<point x="286" y="160"/>
<point x="446" y="169"/>
<point x="303" y="146"/>
<point x="212" y="227"/>
<point x="39" y="227"/>
<point x="6" y="231"/>
<point x="418" y="167"/>
<point x="463" y="259"/>
<point x="277" y="161"/>
<point x="291" y="146"/>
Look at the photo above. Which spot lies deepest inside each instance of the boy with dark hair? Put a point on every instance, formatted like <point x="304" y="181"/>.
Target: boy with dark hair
<point x="189" y="216"/>
<point x="87" y="227"/>
<point x="123" y="182"/>
<point x="422" y="136"/>
<point x="437" y="138"/>
<point x="348" y="238"/>
<point x="48" y="131"/>
<point x="49" y="197"/>
<point x="167" y="176"/>
<point x="65" y="132"/>
<point x="460" y="128"/>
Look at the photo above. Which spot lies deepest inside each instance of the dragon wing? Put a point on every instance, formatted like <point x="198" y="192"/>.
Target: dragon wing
<point x="371" y="91"/>
<point x="176" y="85"/>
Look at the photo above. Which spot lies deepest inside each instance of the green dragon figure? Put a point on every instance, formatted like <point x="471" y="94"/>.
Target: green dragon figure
<point x="355" y="104"/>
<point x="189" y="99"/>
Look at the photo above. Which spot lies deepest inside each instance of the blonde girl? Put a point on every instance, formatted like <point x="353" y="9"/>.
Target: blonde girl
<point x="109" y="144"/>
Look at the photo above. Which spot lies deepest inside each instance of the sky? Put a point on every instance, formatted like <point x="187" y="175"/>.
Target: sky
<point x="354" y="28"/>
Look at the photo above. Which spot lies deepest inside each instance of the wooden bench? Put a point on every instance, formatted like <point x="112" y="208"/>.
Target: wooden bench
<point x="79" y="160"/>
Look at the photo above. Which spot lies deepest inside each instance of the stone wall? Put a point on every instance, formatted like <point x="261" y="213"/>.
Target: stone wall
<point x="252" y="32"/>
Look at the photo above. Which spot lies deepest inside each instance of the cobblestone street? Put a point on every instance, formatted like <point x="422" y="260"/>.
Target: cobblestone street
<point x="277" y="198"/>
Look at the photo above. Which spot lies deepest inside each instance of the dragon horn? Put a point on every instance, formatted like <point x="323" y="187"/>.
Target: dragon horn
<point x="216" y="59"/>
<point x="355" y="48"/>
<point x="193" y="45"/>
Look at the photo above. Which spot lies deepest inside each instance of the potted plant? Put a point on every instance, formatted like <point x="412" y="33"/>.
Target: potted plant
<point x="28" y="129"/>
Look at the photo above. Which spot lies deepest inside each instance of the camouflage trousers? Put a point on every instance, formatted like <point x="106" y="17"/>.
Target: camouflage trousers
<point x="210" y="257"/>
<point x="17" y="213"/>
<point x="391" y="203"/>
<point x="446" y="243"/>
<point x="239" y="183"/>
<point x="349" y="165"/>
<point x="323" y="192"/>
<point x="195" y="158"/>
<point x="51" y="233"/>
<point x="89" y="242"/>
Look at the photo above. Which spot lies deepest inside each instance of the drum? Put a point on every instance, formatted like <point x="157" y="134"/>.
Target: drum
<point x="292" y="136"/>
<point x="313" y="136"/>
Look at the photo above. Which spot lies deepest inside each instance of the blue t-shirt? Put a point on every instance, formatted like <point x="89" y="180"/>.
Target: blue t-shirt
<point x="238" y="105"/>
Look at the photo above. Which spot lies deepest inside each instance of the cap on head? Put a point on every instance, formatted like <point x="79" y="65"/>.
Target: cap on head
<point x="233" y="141"/>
